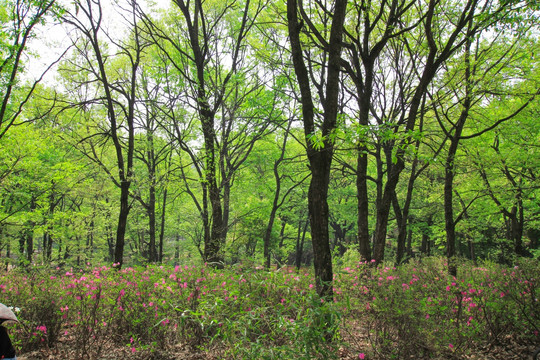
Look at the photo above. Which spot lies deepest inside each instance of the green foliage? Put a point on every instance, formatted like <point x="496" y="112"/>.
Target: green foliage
<point x="414" y="310"/>
<point x="148" y="309"/>
<point x="418" y="310"/>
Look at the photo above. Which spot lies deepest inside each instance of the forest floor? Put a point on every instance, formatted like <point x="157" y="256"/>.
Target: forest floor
<point x="415" y="311"/>
<point x="507" y="349"/>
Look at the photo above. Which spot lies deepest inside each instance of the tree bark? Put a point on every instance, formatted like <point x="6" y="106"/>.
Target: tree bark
<point x="320" y="159"/>
<point x="300" y="243"/>
<point x="162" y="225"/>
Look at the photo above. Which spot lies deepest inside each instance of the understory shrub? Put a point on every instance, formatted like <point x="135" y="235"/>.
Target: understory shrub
<point x="379" y="312"/>
<point x="419" y="310"/>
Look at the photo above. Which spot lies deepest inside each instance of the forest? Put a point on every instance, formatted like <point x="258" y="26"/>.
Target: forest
<point x="335" y="144"/>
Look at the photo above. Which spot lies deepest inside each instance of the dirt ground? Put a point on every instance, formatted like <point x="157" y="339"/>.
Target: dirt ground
<point x="504" y="351"/>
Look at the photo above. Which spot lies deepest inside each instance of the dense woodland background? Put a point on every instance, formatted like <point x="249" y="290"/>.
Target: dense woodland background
<point x="202" y="130"/>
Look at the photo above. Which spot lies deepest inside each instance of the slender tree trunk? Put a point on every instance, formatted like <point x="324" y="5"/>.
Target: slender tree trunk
<point x="8" y="253"/>
<point x="424" y="246"/>
<point x="300" y="243"/>
<point x="472" y="253"/>
<point x="410" y="252"/>
<point x="90" y="237"/>
<point x="364" y="245"/>
<point x="281" y="240"/>
<point x="177" y="250"/>
<point x="405" y="215"/>
<point x="364" y="101"/>
<point x="268" y="231"/>
<point x="151" y="210"/>
<point x="162" y="226"/>
<point x="28" y="235"/>
<point x="110" y="241"/>
<point x="122" y="223"/>
<point x="449" y="221"/>
<point x="383" y="212"/>
<point x="449" y="169"/>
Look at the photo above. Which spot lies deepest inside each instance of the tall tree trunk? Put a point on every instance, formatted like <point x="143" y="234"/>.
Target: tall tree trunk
<point x="268" y="232"/>
<point x="383" y="212"/>
<point x="300" y="242"/>
<point x="8" y="253"/>
<point x="122" y="223"/>
<point x="177" y="251"/>
<point x="449" y="169"/>
<point x="364" y="245"/>
<point x="28" y="234"/>
<point x="402" y="225"/>
<point x="29" y="238"/>
<point x="410" y="252"/>
<point x="90" y="238"/>
<point x="318" y="218"/>
<point x="162" y="226"/>
<point x="281" y="240"/>
<point x="320" y="159"/>
<point x="151" y="210"/>
<point x="275" y="203"/>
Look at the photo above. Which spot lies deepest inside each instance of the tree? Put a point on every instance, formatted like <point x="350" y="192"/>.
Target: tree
<point x="207" y="47"/>
<point x="111" y="83"/>
<point x="154" y="152"/>
<point x="319" y="154"/>
<point x="482" y="62"/>
<point x="18" y="20"/>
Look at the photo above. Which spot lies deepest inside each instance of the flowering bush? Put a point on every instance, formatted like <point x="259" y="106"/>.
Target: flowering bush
<point x="415" y="309"/>
<point x="418" y="309"/>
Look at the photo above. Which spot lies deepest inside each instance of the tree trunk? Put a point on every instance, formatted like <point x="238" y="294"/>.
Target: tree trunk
<point x="410" y="252"/>
<point x="320" y="159"/>
<point x="110" y="241"/>
<point x="28" y="234"/>
<point x="318" y="218"/>
<point x="151" y="211"/>
<point x="268" y="231"/>
<point x="383" y="212"/>
<point x="449" y="169"/>
<point x="162" y="226"/>
<point x="122" y="223"/>
<point x="29" y="237"/>
<point x="281" y="240"/>
<point x="364" y="245"/>
<point x="300" y="243"/>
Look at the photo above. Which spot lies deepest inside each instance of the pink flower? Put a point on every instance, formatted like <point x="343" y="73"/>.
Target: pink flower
<point x="405" y="287"/>
<point x="361" y="356"/>
<point x="42" y="328"/>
